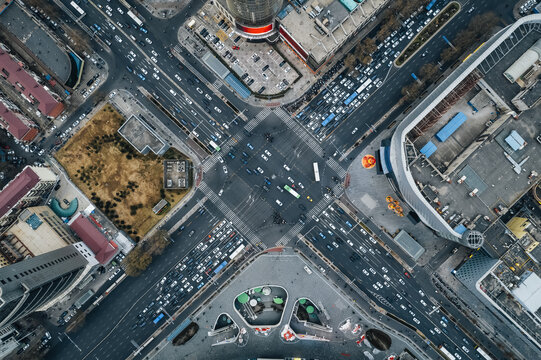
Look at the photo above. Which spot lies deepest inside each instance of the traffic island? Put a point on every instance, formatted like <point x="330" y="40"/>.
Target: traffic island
<point x="427" y="33"/>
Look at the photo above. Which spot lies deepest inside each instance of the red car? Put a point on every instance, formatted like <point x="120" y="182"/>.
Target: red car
<point x="407" y="275"/>
<point x="236" y="47"/>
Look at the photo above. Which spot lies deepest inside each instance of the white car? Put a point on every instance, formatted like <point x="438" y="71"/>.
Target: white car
<point x="148" y="41"/>
<point x="220" y="192"/>
<point x="287" y="167"/>
<point x="267" y="152"/>
<point x="354" y="131"/>
<point x="264" y="157"/>
<point x="384" y="269"/>
<point x="154" y="59"/>
<point x="260" y="170"/>
<point x="177" y="76"/>
<point x="366" y="272"/>
<point x="279" y="202"/>
<point x="155" y="76"/>
<point x="120" y="11"/>
<point x="199" y="91"/>
<point x="436" y="329"/>
<point x="154" y="52"/>
<point x="415" y="320"/>
<point x="144" y="71"/>
<point x="188" y="101"/>
<point x="217" y="109"/>
<point x="209" y="98"/>
<point x="130" y="58"/>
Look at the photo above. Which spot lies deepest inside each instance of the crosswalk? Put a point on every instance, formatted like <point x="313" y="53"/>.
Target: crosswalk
<point x="258" y="119"/>
<point x="292" y="233"/>
<point x="217" y="84"/>
<point x="231" y="216"/>
<point x="333" y="164"/>
<point x="299" y="131"/>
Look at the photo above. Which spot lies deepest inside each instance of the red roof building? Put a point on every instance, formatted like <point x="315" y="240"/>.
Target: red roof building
<point x="17" y="189"/>
<point x="28" y="86"/>
<point x="17" y="124"/>
<point x="103" y="249"/>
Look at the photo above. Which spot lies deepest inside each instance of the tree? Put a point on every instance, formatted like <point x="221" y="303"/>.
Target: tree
<point x="448" y="54"/>
<point x="350" y="61"/>
<point x="366" y="60"/>
<point x="369" y="45"/>
<point x="158" y="242"/>
<point x="412" y="91"/>
<point x="429" y="72"/>
<point x="137" y="261"/>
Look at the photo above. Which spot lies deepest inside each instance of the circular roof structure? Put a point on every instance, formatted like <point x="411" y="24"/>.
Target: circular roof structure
<point x="310" y="309"/>
<point x="267" y="290"/>
<point x="243" y="298"/>
<point x="253" y="302"/>
<point x="302" y="301"/>
<point x="278" y="300"/>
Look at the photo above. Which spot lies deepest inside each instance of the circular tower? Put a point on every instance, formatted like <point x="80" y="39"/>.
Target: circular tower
<point x="254" y="19"/>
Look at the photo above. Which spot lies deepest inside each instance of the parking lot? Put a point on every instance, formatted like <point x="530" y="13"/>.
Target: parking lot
<point x="257" y="64"/>
<point x="210" y="256"/>
<point x="353" y="87"/>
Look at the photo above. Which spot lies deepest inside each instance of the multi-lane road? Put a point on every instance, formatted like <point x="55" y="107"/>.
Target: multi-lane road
<point x="245" y="182"/>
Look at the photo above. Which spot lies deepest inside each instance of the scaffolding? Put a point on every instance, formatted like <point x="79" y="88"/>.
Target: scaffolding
<point x="451" y="99"/>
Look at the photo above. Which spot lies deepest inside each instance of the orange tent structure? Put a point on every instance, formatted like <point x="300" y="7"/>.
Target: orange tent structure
<point x="369" y="161"/>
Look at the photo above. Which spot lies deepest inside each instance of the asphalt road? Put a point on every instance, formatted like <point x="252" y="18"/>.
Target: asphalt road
<point x="383" y="279"/>
<point x="243" y="196"/>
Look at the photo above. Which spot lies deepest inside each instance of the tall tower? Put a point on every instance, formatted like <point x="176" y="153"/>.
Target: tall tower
<point x="253" y="19"/>
<point x="36" y="283"/>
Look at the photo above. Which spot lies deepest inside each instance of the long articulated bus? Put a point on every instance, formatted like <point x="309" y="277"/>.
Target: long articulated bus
<point x="215" y="146"/>
<point x="363" y="86"/>
<point x="291" y="191"/>
<point x="316" y="172"/>
<point x="135" y="18"/>
<point x="236" y="253"/>
<point x="447" y="353"/>
<point x="483" y="354"/>
<point x="77" y="8"/>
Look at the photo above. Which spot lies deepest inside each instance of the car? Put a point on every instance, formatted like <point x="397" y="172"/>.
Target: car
<point x="155" y="76"/>
<point x="148" y="41"/>
<point x="421" y="293"/>
<point x="372" y="271"/>
<point x="379" y="285"/>
<point x="250" y="146"/>
<point x="287" y="167"/>
<point x="375" y="286"/>
<point x="268" y="153"/>
<point x="362" y="249"/>
<point x="384" y="269"/>
<point x="335" y="244"/>
<point x="141" y="77"/>
<point x="118" y="39"/>
<point x="218" y="110"/>
<point x="415" y="320"/>
<point x="264" y="157"/>
<point x="423" y="303"/>
<point x="366" y="272"/>
<point x="188" y="100"/>
<point x="260" y="170"/>
<point x="279" y="202"/>
<point x="349" y="243"/>
<point x="437" y="330"/>
<point x="154" y="59"/>
<point x="407" y="275"/>
<point x="401" y="281"/>
<point x="225" y="169"/>
<point x="144" y="71"/>
<point x="208" y="97"/>
<point x="443" y="323"/>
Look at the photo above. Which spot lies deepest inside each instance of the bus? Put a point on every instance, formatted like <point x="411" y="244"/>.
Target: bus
<point x="363" y="86"/>
<point x="483" y="354"/>
<point x="316" y="172"/>
<point x="291" y="191"/>
<point x="77" y="8"/>
<point x="215" y="146"/>
<point x="158" y="318"/>
<point x="236" y="253"/>
<point x="446" y="352"/>
<point x="135" y="18"/>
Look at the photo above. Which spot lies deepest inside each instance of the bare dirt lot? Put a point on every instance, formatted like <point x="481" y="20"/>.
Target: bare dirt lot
<point x="122" y="183"/>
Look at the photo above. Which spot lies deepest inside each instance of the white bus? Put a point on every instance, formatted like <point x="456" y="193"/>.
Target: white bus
<point x="215" y="146"/>
<point x="447" y="354"/>
<point x="135" y="18"/>
<point x="316" y="172"/>
<point x="236" y="253"/>
<point x="483" y="354"/>
<point x="363" y="86"/>
<point x="77" y="8"/>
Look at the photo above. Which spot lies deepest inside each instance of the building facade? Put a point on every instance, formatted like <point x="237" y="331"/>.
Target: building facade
<point x="28" y="188"/>
<point x="253" y="19"/>
<point x="36" y="283"/>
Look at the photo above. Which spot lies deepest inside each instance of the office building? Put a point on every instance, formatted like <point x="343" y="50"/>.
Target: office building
<point x="30" y="187"/>
<point x="253" y="19"/>
<point x="37" y="231"/>
<point x="37" y="283"/>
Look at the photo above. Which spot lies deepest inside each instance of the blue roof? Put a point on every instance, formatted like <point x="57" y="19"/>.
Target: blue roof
<point x="451" y="127"/>
<point x="350" y="5"/>
<point x="239" y="87"/>
<point x="461" y="229"/>
<point x="428" y="149"/>
<point x="515" y="141"/>
<point x="34" y="221"/>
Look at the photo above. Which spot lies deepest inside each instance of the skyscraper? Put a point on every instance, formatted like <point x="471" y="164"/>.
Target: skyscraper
<point x="36" y="283"/>
<point x="254" y="19"/>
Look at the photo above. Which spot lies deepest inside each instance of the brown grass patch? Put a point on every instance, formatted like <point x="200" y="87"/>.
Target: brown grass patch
<point x="122" y="183"/>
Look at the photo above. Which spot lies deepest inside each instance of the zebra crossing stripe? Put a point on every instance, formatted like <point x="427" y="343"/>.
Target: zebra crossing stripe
<point x="230" y="215"/>
<point x="299" y="131"/>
